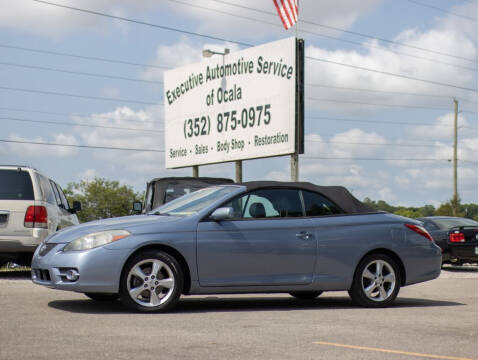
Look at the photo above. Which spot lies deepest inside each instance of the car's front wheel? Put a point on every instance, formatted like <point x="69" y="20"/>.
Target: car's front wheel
<point x="151" y="282"/>
<point x="376" y="282"/>
<point x="305" y="295"/>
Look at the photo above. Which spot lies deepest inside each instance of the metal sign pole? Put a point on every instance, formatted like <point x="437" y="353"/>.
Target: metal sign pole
<point x="299" y="120"/>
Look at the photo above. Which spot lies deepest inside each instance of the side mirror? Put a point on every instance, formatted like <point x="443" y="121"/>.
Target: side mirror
<point x="76" y="207"/>
<point x="137" y="207"/>
<point x="222" y="214"/>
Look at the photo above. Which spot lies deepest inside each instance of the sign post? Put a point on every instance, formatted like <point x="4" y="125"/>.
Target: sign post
<point x="243" y="106"/>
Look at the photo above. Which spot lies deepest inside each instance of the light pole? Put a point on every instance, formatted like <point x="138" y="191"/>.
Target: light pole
<point x="208" y="53"/>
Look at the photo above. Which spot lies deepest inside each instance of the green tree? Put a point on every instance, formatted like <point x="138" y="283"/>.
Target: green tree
<point x="101" y="198"/>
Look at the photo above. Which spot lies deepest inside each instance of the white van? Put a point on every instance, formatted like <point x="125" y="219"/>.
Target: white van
<point x="32" y="206"/>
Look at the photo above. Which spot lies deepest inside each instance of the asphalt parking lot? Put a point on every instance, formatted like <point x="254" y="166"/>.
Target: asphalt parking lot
<point x="434" y="320"/>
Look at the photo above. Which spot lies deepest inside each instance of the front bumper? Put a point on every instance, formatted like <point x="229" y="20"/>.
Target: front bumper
<point x="99" y="269"/>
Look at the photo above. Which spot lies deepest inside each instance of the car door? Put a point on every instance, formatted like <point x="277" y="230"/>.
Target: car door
<point x="269" y="242"/>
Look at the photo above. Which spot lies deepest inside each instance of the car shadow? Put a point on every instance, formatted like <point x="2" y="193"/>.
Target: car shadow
<point x="455" y="268"/>
<point x="218" y="304"/>
<point x="15" y="274"/>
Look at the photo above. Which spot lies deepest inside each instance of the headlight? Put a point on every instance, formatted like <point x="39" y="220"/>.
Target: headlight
<point x="91" y="241"/>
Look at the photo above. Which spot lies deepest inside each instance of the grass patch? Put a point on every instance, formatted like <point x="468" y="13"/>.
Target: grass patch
<point x="9" y="268"/>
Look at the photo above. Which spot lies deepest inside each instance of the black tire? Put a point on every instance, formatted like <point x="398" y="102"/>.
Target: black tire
<point x="305" y="295"/>
<point x="360" y="282"/>
<point x="167" y="297"/>
<point x="102" y="296"/>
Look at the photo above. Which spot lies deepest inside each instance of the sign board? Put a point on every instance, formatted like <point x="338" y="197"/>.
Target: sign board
<point x="233" y="107"/>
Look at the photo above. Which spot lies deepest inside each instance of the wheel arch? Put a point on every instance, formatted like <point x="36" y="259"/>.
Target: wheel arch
<point x="393" y="255"/>
<point x="172" y="252"/>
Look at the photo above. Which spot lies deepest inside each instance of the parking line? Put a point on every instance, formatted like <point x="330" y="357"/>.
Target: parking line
<point x="366" y="348"/>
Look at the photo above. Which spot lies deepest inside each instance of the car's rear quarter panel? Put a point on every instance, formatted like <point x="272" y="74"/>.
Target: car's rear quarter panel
<point x="344" y="240"/>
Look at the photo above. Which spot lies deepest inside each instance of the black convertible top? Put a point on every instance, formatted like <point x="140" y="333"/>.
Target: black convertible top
<point x="338" y="194"/>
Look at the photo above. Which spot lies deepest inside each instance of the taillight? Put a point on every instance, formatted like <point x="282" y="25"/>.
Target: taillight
<point x="36" y="217"/>
<point x="420" y="230"/>
<point x="457" y="237"/>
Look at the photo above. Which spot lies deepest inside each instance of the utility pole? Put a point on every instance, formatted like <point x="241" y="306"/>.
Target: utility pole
<point x="455" y="160"/>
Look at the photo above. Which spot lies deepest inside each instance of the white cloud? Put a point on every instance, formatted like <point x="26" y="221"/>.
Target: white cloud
<point x="340" y="13"/>
<point x="446" y="37"/>
<point x="442" y="128"/>
<point x="181" y="53"/>
<point x="28" y="151"/>
<point x="53" y="21"/>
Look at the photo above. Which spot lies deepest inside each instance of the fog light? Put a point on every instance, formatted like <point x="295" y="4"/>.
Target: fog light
<point x="72" y="275"/>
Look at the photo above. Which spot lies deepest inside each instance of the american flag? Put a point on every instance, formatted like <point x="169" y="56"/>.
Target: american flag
<point x="288" y="12"/>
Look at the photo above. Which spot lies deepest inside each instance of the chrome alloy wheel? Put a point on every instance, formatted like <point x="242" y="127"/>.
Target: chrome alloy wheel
<point x="378" y="280"/>
<point x="150" y="282"/>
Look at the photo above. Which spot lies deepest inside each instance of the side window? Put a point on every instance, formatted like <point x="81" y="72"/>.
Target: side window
<point x="268" y="203"/>
<point x="64" y="200"/>
<point x="46" y="189"/>
<point x="57" y="194"/>
<point x="318" y="205"/>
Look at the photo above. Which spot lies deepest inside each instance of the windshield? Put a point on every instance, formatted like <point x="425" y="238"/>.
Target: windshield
<point x="450" y="223"/>
<point x="192" y="203"/>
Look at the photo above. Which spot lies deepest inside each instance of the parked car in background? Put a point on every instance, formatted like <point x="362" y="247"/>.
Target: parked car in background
<point x="32" y="206"/>
<point x="257" y="237"/>
<point x="453" y="251"/>
<point x="159" y="191"/>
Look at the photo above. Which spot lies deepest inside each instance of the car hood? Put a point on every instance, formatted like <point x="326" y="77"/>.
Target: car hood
<point x="130" y="223"/>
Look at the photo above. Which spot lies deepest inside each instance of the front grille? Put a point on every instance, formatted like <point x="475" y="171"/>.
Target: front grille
<point x="42" y="274"/>
<point x="45" y="248"/>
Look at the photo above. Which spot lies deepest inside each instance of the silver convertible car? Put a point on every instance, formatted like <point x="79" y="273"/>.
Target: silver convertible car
<point x="257" y="237"/>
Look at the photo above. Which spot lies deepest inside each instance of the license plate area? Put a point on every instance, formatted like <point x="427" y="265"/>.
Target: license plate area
<point x="3" y="218"/>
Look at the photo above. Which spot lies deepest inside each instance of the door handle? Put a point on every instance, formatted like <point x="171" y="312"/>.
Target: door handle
<point x="304" y="235"/>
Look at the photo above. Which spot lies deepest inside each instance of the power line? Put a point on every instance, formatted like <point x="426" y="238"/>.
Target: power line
<point x="375" y="121"/>
<point x="84" y="57"/>
<point x="162" y="131"/>
<point x="162" y="151"/>
<point x="35" y="67"/>
<point x="77" y="95"/>
<point x="443" y="10"/>
<point x="81" y="116"/>
<point x="48" y="122"/>
<point x="375" y="144"/>
<point x="390" y="92"/>
<point x="143" y="23"/>
<point x="322" y="35"/>
<point x="80" y="146"/>
<point x="374" y="104"/>
<point x="363" y="35"/>
<point x="248" y="45"/>
<point x="371" y="159"/>
<point x="389" y="73"/>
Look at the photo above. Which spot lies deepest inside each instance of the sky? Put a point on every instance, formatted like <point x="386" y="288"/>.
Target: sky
<point x="356" y="121"/>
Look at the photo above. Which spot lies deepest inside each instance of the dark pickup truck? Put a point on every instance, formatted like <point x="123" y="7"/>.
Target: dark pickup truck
<point x="162" y="190"/>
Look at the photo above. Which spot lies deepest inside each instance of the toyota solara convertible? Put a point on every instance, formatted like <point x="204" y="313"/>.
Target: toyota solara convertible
<point x="257" y="237"/>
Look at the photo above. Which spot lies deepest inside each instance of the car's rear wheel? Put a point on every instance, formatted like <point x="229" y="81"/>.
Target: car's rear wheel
<point x="305" y="295"/>
<point x="151" y="282"/>
<point x="102" y="296"/>
<point x="376" y="282"/>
